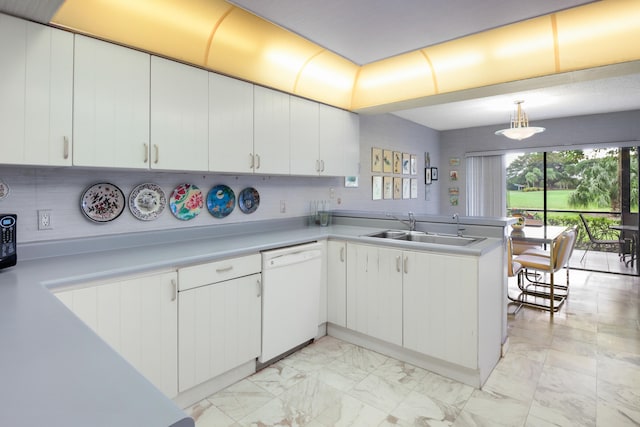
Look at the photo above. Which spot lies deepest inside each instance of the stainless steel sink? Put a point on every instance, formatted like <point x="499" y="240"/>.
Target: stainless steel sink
<point x="389" y="234"/>
<point x="441" y="240"/>
<point x="422" y="237"/>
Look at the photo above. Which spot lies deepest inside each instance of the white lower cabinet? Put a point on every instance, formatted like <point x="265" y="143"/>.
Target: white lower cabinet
<point x="440" y="309"/>
<point x="219" y="318"/>
<point x="374" y="291"/>
<point x="337" y="282"/>
<point x="138" y="318"/>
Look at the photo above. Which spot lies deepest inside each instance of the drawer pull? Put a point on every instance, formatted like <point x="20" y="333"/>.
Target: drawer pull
<point x="224" y="269"/>
<point x="398" y="263"/>
<point x="406" y="265"/>
<point x="342" y="254"/>
<point x="65" y="149"/>
<point x="174" y="284"/>
<point x="259" y="283"/>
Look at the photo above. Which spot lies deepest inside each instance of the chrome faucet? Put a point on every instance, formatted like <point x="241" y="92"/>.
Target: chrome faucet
<point x="411" y="223"/>
<point x="458" y="228"/>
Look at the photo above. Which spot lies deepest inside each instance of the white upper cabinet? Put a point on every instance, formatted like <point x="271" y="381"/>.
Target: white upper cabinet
<point x="339" y="142"/>
<point x="36" y="87"/>
<point x="179" y="116"/>
<point x="305" y="137"/>
<point x="230" y="125"/>
<point x="110" y="105"/>
<point x="271" y="132"/>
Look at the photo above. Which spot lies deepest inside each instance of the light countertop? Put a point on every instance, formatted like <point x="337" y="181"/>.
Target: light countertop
<point x="56" y="372"/>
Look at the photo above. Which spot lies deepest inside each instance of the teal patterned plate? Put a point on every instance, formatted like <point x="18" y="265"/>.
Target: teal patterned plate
<point x="186" y="201"/>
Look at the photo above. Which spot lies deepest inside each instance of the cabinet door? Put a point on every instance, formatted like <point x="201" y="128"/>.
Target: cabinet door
<point x="337" y="283"/>
<point x="305" y="138"/>
<point x="110" y="105"/>
<point x="219" y="328"/>
<point x="179" y="116"/>
<point x="230" y="124"/>
<point x="339" y="142"/>
<point x="271" y="131"/>
<point x="374" y="292"/>
<point x="440" y="311"/>
<point x="36" y="83"/>
<point x="138" y="318"/>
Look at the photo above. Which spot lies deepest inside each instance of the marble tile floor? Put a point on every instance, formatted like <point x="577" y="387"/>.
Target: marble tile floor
<point x="580" y="369"/>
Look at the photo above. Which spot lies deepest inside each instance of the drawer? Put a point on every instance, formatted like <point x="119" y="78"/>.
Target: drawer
<point x="218" y="271"/>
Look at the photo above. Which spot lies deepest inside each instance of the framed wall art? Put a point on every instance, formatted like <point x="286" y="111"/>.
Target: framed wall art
<point x="406" y="188"/>
<point x="414" y="164"/>
<point x="406" y="163"/>
<point x="414" y="188"/>
<point x="434" y="174"/>
<point x="376" y="188"/>
<point x="376" y="160"/>
<point x="387" y="161"/>
<point x="387" y="187"/>
<point x="397" y="162"/>
<point x="427" y="175"/>
<point x="397" y="187"/>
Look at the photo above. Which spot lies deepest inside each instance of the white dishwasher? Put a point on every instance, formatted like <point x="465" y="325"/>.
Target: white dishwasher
<point x="290" y="297"/>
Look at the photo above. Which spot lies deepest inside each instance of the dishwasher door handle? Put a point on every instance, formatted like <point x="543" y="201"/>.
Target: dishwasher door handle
<point x="293" y="258"/>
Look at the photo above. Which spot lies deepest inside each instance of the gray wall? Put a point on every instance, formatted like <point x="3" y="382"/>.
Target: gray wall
<point x="393" y="133"/>
<point x="574" y="132"/>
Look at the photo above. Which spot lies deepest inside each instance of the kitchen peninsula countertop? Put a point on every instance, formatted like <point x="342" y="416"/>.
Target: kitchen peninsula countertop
<point x="56" y="372"/>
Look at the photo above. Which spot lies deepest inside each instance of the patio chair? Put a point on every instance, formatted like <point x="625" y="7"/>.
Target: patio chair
<point x="597" y="243"/>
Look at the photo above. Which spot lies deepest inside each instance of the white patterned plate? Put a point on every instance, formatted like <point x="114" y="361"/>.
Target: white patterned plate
<point x="102" y="202"/>
<point x="147" y="201"/>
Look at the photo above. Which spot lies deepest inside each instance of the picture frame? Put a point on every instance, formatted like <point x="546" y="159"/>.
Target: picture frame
<point x="453" y="175"/>
<point x="414" y="164"/>
<point x="406" y="164"/>
<point x="351" y="181"/>
<point x="376" y="187"/>
<point x="427" y="176"/>
<point x="387" y="187"/>
<point x="397" y="187"/>
<point x="434" y="174"/>
<point x="387" y="161"/>
<point x="376" y="159"/>
<point x="414" y="188"/>
<point x="397" y="162"/>
<point x="406" y="188"/>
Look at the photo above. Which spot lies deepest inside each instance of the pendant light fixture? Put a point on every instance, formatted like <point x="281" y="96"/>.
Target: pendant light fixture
<point x="520" y="128"/>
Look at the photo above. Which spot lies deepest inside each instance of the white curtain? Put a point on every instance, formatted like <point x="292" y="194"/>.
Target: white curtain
<point x="486" y="186"/>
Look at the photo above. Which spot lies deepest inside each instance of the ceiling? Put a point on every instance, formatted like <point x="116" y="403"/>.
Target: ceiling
<point x="365" y="31"/>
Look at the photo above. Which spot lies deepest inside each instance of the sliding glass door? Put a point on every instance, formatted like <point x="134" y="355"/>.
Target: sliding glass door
<point x="595" y="189"/>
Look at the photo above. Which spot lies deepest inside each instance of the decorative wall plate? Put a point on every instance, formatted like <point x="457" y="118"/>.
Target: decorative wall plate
<point x="147" y="201"/>
<point x="4" y="190"/>
<point x="221" y="201"/>
<point x="102" y="202"/>
<point x="186" y="201"/>
<point x="249" y="200"/>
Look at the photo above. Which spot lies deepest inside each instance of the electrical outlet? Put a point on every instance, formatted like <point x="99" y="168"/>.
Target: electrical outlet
<point x="283" y="206"/>
<point x="44" y="219"/>
<point x="332" y="193"/>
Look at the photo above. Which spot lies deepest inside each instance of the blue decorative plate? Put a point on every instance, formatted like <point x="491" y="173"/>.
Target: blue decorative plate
<point x="221" y="201"/>
<point x="249" y="200"/>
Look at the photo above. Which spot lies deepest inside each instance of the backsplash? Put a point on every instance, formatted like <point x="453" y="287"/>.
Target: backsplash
<point x="60" y="189"/>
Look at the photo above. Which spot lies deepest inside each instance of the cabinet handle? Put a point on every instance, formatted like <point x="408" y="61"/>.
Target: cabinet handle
<point x="322" y="163"/>
<point x="342" y="254"/>
<point x="406" y="264"/>
<point x="65" y="148"/>
<point x="252" y="161"/>
<point x="174" y="284"/>
<point x="398" y="263"/>
<point x="257" y="161"/>
<point x="157" y="153"/>
<point x="224" y="269"/>
<point x="259" y="283"/>
<point x="146" y="152"/>
<point x="318" y="165"/>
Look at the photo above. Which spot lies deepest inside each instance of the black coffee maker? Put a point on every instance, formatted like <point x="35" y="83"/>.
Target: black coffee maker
<point x="8" y="227"/>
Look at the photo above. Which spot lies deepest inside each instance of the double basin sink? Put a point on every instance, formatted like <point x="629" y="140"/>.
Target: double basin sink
<point x="422" y="237"/>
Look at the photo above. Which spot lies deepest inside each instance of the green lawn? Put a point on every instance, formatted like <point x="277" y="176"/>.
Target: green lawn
<point x="556" y="199"/>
